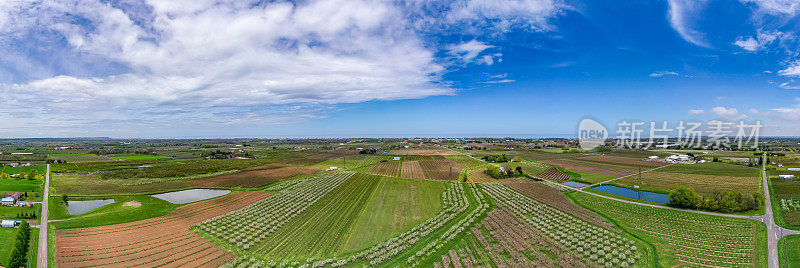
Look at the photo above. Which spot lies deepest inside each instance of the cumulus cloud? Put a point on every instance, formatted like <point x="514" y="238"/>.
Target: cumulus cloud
<point x="728" y="113"/>
<point x="681" y="17"/>
<point x="662" y="73"/>
<point x="221" y="61"/>
<point x="697" y="112"/>
<point x="792" y="70"/>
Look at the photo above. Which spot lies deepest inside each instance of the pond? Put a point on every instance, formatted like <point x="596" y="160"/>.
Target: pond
<point x="575" y="184"/>
<point x="80" y="207"/>
<point x="641" y="195"/>
<point x="189" y="196"/>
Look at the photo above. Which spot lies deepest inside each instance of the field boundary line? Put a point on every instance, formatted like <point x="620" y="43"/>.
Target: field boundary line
<point x="600" y="183"/>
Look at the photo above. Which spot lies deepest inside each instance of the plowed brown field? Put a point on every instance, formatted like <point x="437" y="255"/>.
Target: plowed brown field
<point x="256" y="177"/>
<point x="161" y="241"/>
<point x="412" y="170"/>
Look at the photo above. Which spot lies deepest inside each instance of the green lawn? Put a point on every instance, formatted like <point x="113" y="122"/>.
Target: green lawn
<point x="8" y="236"/>
<point x="789" y="250"/>
<point x="714" y="168"/>
<point x="395" y="206"/>
<point x="136" y="157"/>
<point x="113" y="213"/>
<point x="14" y="185"/>
<point x="466" y="161"/>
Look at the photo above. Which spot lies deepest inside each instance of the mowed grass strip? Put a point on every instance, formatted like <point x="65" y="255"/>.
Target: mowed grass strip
<point x="701" y="183"/>
<point x="395" y="207"/>
<point x="322" y="230"/>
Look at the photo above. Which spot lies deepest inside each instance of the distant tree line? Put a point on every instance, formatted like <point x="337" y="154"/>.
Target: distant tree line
<point x="685" y="197"/>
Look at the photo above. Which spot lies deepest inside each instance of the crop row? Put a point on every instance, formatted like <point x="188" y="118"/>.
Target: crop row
<point x="596" y="243"/>
<point x="247" y="227"/>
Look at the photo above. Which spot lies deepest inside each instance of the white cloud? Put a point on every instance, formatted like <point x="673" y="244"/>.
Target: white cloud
<point x="466" y="52"/>
<point x="792" y="70"/>
<point x="775" y="7"/>
<point x="218" y="60"/>
<point x="505" y="14"/>
<point x="662" y="73"/>
<point x="759" y="113"/>
<point x="681" y="15"/>
<point x="789" y="85"/>
<point x="728" y="113"/>
<point x="697" y="112"/>
<point x="762" y="40"/>
<point x="501" y="81"/>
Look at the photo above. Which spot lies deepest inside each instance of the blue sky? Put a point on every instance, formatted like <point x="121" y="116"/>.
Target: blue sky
<point x="381" y="68"/>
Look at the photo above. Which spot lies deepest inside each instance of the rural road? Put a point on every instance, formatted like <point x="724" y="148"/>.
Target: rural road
<point x="41" y="261"/>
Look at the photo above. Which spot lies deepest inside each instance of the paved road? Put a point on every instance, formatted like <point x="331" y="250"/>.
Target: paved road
<point x="42" y="257"/>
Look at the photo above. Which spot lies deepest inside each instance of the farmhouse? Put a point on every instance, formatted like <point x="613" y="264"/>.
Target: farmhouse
<point x="652" y="157"/>
<point x="672" y="158"/>
<point x="9" y="223"/>
<point x="786" y="177"/>
<point x="8" y="201"/>
<point x="15" y="195"/>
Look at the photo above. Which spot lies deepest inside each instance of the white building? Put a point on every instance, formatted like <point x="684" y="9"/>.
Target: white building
<point x="8" y="201"/>
<point x="9" y="223"/>
<point x="786" y="177"/>
<point x="652" y="157"/>
<point x="672" y="158"/>
<point x="684" y="157"/>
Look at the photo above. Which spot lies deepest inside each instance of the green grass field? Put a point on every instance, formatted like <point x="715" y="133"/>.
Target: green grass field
<point x="789" y="250"/>
<point x="323" y="230"/>
<point x="8" y="236"/>
<point x="785" y="189"/>
<point x="466" y="161"/>
<point x="712" y="168"/>
<point x="685" y="239"/>
<point x="114" y="213"/>
<point x="136" y="157"/>
<point x="21" y="185"/>
<point x="395" y="206"/>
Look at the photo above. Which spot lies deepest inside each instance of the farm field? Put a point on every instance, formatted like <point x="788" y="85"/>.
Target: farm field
<point x="255" y="177"/>
<point x="136" y="157"/>
<point x="686" y="239"/>
<point x="584" y="168"/>
<point x="93" y="185"/>
<point x="163" y="240"/>
<point x="586" y="243"/>
<point x="411" y="170"/>
<point x="465" y="161"/>
<point x="21" y="185"/>
<point x="437" y="151"/>
<point x="553" y="174"/>
<point x="441" y="169"/>
<point x="71" y="158"/>
<point x="390" y="168"/>
<point x="789" y="250"/>
<point x="479" y="176"/>
<point x="714" y="168"/>
<point x="353" y="161"/>
<point x="395" y="206"/>
<point x="126" y="208"/>
<point x="786" y="190"/>
<point x="529" y="167"/>
<point x="622" y="160"/>
<point x="556" y="199"/>
<point x="705" y="184"/>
